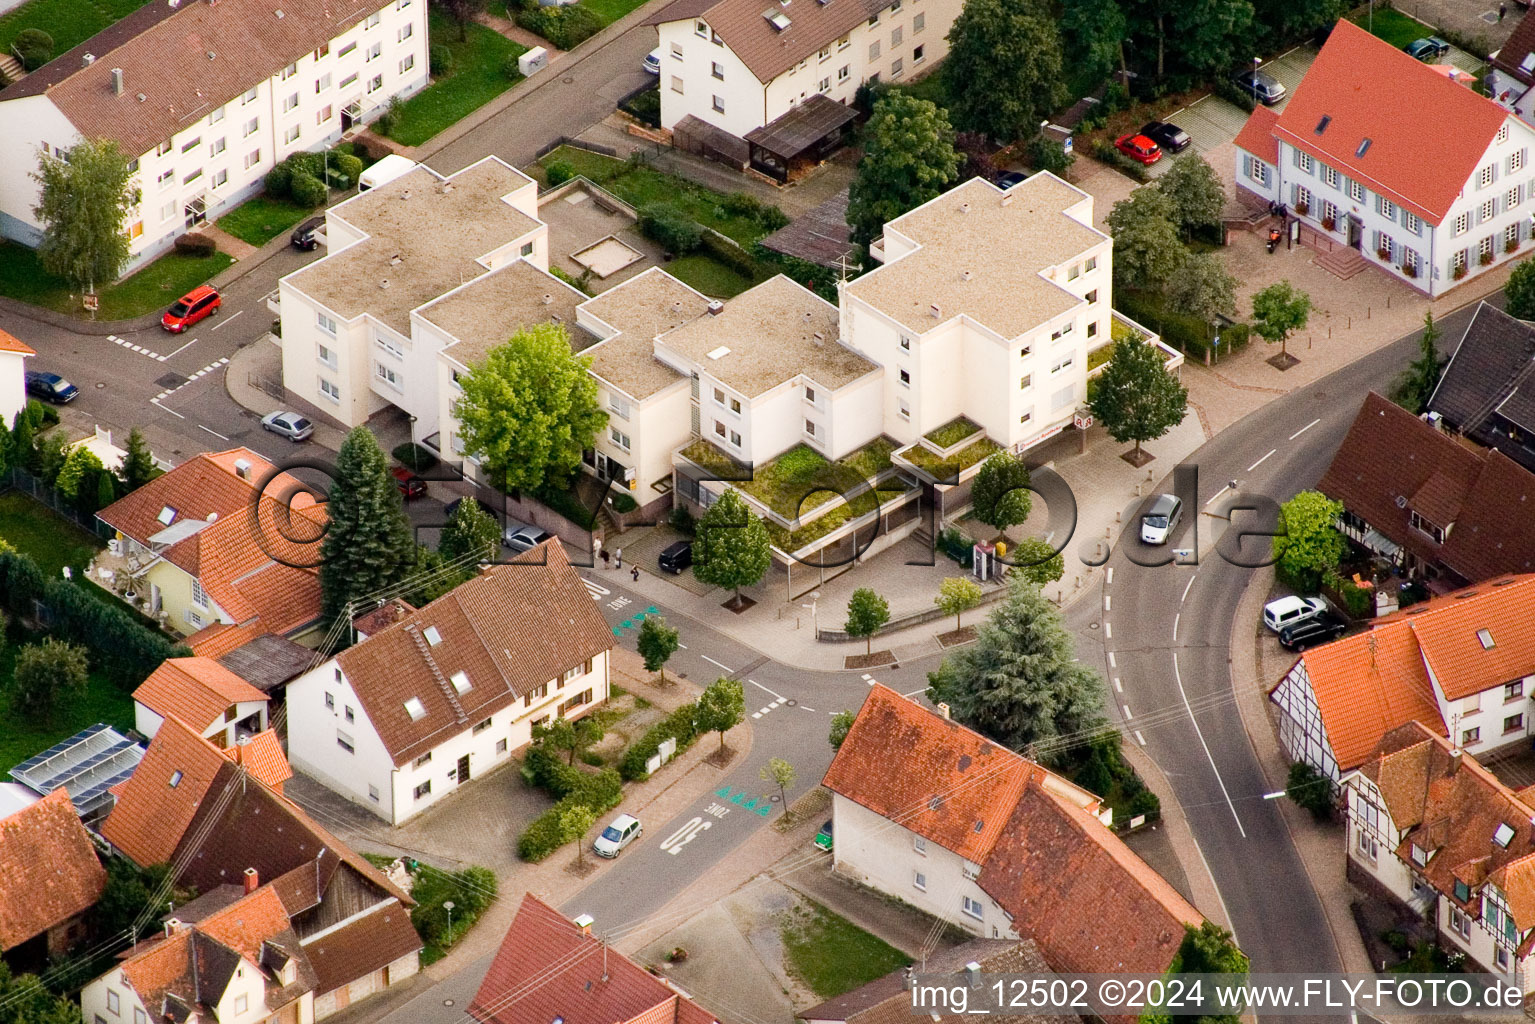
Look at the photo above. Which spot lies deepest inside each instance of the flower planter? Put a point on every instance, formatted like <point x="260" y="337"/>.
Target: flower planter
<point x="1511" y="245"/>
<point x="1459" y="273"/>
<point x="1384" y="255"/>
<point x="1408" y="270"/>
<point x="1302" y="209"/>
<point x="1328" y="224"/>
<point x="1485" y="259"/>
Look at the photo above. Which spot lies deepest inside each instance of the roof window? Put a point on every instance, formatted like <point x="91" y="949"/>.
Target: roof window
<point x="167" y="516"/>
<point x="979" y="825"/>
<point x="175" y="778"/>
<point x="1504" y="835"/>
<point x="461" y="682"/>
<point x="1321" y="126"/>
<point x="1364" y="147"/>
<point x="778" y="19"/>
<point x="415" y="709"/>
<point x="1528" y="64"/>
<point x="719" y="353"/>
<point x="1485" y="636"/>
<point x="432" y="636"/>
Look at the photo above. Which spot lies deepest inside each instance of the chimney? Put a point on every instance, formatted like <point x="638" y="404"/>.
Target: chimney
<point x="252" y="881"/>
<point x="87" y="60"/>
<point x="243" y="469"/>
<point x="548" y="298"/>
<point x="964" y="207"/>
<point x="117" y="81"/>
<point x="906" y="979"/>
<point x="585" y="922"/>
<point x="965" y="275"/>
<point x="943" y="709"/>
<point x="173" y="926"/>
<point x="716" y="307"/>
<point x="809" y="317"/>
<point x="676" y="307"/>
<point x="935" y="311"/>
<point x="972" y="974"/>
<point x="405" y="194"/>
<point x="384" y="283"/>
<point x="1455" y="758"/>
<point x="1007" y="199"/>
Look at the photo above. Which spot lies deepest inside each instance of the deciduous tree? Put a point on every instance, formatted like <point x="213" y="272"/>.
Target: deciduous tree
<point x="1094" y="35"/>
<point x="841" y="722"/>
<point x="367" y="544"/>
<point x="957" y="595"/>
<point x="732" y="547"/>
<point x="908" y="158"/>
<point x="781" y="774"/>
<point x="657" y="642"/>
<point x="462" y="12"/>
<point x="1195" y="191"/>
<point x="721" y="707"/>
<point x="1004" y="72"/>
<point x="1000" y="493"/>
<point x="45" y="673"/>
<point x="1202" y="287"/>
<point x="1036" y="560"/>
<point x="530" y="409"/>
<point x="1147" y="249"/>
<point x="471" y="533"/>
<point x="576" y="820"/>
<point x="81" y="463"/>
<point x="1136" y="397"/>
<point x="1309" y="543"/>
<point x="84" y="199"/>
<point x="1519" y="293"/>
<point x="1278" y="311"/>
<point x="866" y="613"/>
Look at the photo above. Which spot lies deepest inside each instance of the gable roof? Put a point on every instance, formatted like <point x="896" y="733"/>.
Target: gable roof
<point x="196" y="690"/>
<point x="1449" y="633"/>
<point x="268" y="661"/>
<point x="156" y="804"/>
<point x="376" y="938"/>
<point x="184" y="61"/>
<point x="263" y="757"/>
<point x="1391" y="463"/>
<point x="510" y="629"/>
<point x="10" y="343"/>
<point x="593" y="984"/>
<point x="204" y="485"/>
<point x="1490" y="376"/>
<point x="1513" y="56"/>
<point x="767" y="51"/>
<point x="1363" y="84"/>
<point x="1257" y="135"/>
<point x="49" y="871"/>
<point x="1055" y="858"/>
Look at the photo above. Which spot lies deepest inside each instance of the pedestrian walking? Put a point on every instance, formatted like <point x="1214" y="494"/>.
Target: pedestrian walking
<point x="618" y="556"/>
<point x="635" y="572"/>
<point x="1502" y="11"/>
<point x="606" y="558"/>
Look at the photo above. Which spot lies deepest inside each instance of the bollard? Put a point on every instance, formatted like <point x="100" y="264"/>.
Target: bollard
<point x="1367" y="310"/>
<point x="1350" y="326"/>
<point x="1329" y="332"/>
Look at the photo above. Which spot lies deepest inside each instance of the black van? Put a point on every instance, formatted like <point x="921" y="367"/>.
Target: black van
<point x="676" y="557"/>
<point x="307" y="235"/>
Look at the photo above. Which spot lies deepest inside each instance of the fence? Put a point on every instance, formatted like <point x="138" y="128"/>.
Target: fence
<point x="566" y="140"/>
<point x="20" y="480"/>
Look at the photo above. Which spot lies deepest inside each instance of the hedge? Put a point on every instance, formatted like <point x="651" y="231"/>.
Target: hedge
<point x="1104" y="151"/>
<point x="730" y="254"/>
<point x="195" y="245"/>
<point x="124" y="651"/>
<point x="34" y="47"/>
<point x="542" y="767"/>
<point x="307" y="190"/>
<point x="678" y="725"/>
<point x="1229" y="91"/>
<point x="671" y="230"/>
<point x="1189" y="334"/>
<point x="565" y="27"/>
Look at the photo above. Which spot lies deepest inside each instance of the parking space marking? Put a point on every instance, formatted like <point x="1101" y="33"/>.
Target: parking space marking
<point x="711" y="661"/>
<point x="215" y="433"/>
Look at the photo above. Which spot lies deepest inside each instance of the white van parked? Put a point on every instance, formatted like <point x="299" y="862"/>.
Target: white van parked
<point x="386" y="170"/>
<point x="1287" y="611"/>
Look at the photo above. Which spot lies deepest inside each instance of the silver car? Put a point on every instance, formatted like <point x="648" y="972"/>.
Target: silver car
<point x="1261" y="86"/>
<point x="1159" y="522"/>
<point x="520" y="537"/>
<point x="289" y="424"/>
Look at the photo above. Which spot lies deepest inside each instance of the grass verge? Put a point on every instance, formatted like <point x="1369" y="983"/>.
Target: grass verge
<point x="611" y="10"/>
<point x="830" y="954"/>
<point x="478" y="76"/>
<point x="260" y="219"/>
<point x="51" y="540"/>
<point x="1393" y="26"/>
<point x="158" y="284"/>
<point x="710" y="276"/>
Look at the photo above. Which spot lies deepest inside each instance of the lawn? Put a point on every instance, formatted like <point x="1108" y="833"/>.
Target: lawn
<point x="69" y="22"/>
<point x="1393" y="26"/>
<point x="784" y="484"/>
<point x="952" y="432"/>
<point x="158" y="284"/>
<point x="710" y="276"/>
<point x="478" y="76"/>
<point x="830" y="954"/>
<point x="21" y="737"/>
<point x="52" y="541"/>
<point x="611" y="10"/>
<point x="944" y="469"/>
<point x="260" y="219"/>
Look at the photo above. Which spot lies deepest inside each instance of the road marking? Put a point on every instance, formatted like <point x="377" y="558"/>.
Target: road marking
<point x="803" y="708"/>
<point x="1217" y="494"/>
<point x="1307" y="427"/>
<point x="682" y="647"/>
<point x="1139" y="738"/>
<point x="1112" y="663"/>
<point x="674" y="843"/>
<point x="1110" y="575"/>
<point x="179" y="350"/>
<point x="1106" y="602"/>
<point x="205" y="370"/>
<point x="867" y="676"/>
<point x="775" y="693"/>
<point x="711" y="661"/>
<point x="1260" y="462"/>
<point x="1178" y="677"/>
<point x="1127" y="710"/>
<point x="598" y="592"/>
<point x="229" y="321"/>
<point x="130" y="346"/>
<point x="1108" y="630"/>
<point x="1118" y="688"/>
<point x="1185" y="596"/>
<point x="215" y="433"/>
<point x="1175" y="626"/>
<point x="156" y="402"/>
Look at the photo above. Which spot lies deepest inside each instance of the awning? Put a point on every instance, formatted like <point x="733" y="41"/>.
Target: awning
<point x="802" y="127"/>
<point x="1381" y="544"/>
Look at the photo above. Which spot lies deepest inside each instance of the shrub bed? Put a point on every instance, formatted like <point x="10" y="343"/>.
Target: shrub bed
<point x="565" y="27"/>
<point x="414" y="457"/>
<point x="673" y="231"/>
<point x="541" y="767"/>
<point x="678" y="725"/>
<point x="1104" y="152"/>
<point x="646" y="107"/>
<point x="195" y="245"/>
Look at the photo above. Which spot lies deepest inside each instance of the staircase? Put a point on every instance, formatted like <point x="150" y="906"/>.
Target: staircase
<point x="11" y="69"/>
<point x="1343" y="261"/>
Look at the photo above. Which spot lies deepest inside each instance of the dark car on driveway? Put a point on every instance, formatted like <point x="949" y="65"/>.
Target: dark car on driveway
<point x="1169" y="136"/>
<point x="676" y="557"/>
<point x="410" y="485"/>
<point x="307" y="235"/>
<point x="1427" y="50"/>
<point x="50" y="387"/>
<point x="1261" y="86"/>
<point x="1322" y="628"/>
<point x="1007" y="179"/>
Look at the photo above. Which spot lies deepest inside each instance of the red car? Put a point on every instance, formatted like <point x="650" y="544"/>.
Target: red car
<point x="1138" y="147"/>
<point x="410" y="485"/>
<point x="190" y="308"/>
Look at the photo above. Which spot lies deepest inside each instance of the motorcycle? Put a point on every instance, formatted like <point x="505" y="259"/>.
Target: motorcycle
<point x="1273" y="242"/>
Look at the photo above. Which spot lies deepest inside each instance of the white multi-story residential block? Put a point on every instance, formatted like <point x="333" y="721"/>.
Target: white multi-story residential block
<point x="738" y="67"/>
<point x="204" y="98"/>
<point x="444" y="694"/>
<point x="1430" y="199"/>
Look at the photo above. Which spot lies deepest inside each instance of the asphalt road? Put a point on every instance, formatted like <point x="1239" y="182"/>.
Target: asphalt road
<point x="1164" y="634"/>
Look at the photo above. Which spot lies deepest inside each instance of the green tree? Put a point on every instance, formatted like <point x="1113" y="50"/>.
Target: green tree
<point x="957" y="595"/>
<point x="721" y="707"/>
<point x="138" y="466"/>
<point x="1036" y="561"/>
<point x="1019" y="683"/>
<point x="22" y="449"/>
<point x="472" y="532"/>
<point x="368" y="544"/>
<point x="130" y="892"/>
<point x="657" y="642"/>
<point x="1208" y="949"/>
<point x="908" y="158"/>
<point x="1003" y="74"/>
<point x="1278" y="311"/>
<point x="1000" y="492"/>
<point x="1136" y="397"/>
<point x="576" y="820"/>
<point x="1147" y="249"/>
<point x="436" y="577"/>
<point x="841" y="722"/>
<point x="84" y="198"/>
<point x="1519" y="293"/>
<point x="1416" y="384"/>
<point x="866" y="613"/>
<point x="572" y="735"/>
<point x="781" y="774"/>
<point x="79" y="464"/>
<point x="1195" y="191"/>
<point x="1308" y="543"/>
<point x="1285" y="21"/>
<point x="50" y="454"/>
<point x="1310" y="789"/>
<point x="24" y="999"/>
<point x="46" y="673"/>
<point x="462" y="12"/>
<point x="530" y="409"/>
<point x="1202" y="287"/>
<point x="1094" y="35"/>
<point x="106" y="490"/>
<point x="732" y="547"/>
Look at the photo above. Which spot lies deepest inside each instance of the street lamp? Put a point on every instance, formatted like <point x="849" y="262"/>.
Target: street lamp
<point x="815" y="599"/>
<point x="448" y="906"/>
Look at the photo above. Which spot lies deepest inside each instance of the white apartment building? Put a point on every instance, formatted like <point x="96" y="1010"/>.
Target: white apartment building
<point x="737" y="66"/>
<point x="348" y="349"/>
<point x="205" y="98"/>
<point x="986" y="305"/>
<point x="443" y="695"/>
<point x="1431" y="829"/>
<point x="1431" y="199"/>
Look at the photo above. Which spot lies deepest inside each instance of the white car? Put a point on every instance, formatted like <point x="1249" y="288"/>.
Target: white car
<point x="625" y="829"/>
<point x="1159" y="522"/>
<point x="653" y="61"/>
<point x="1287" y="611"/>
<point x="289" y="424"/>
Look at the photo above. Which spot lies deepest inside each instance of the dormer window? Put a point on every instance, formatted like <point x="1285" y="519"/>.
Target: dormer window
<point x="1419" y="855"/>
<point x="1427" y="528"/>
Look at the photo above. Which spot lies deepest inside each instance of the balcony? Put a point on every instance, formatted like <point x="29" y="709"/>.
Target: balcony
<point x="1121" y="328"/>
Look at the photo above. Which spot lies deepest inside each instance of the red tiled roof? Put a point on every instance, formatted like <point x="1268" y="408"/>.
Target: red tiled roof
<point x="196" y="690"/>
<point x="765" y="50"/>
<point x="591" y="986"/>
<point x="219" y="639"/>
<point x="153" y="812"/>
<point x="1257" y="135"/>
<point x="942" y="781"/>
<point x="9" y="343"/>
<point x="262" y="757"/>
<point x="49" y="871"/>
<point x="201" y="486"/>
<point x="362" y="947"/>
<point x="511" y="629"/>
<point x="1365" y="85"/>
<point x="1448" y="634"/>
